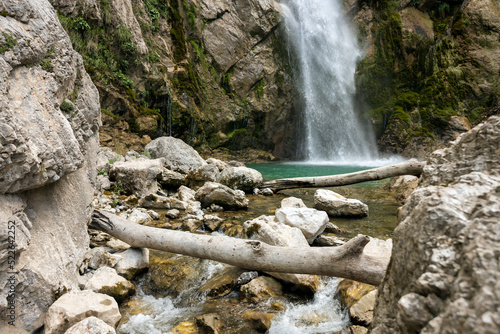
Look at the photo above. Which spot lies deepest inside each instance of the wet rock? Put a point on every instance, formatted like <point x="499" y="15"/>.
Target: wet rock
<point x="350" y="292"/>
<point x="105" y="280"/>
<point x="261" y="288"/>
<point x="292" y="202"/>
<point x="242" y="178"/>
<point x="210" y="323"/>
<point x="198" y="176"/>
<point x="266" y="192"/>
<point x="173" y="214"/>
<point x="221" y="165"/>
<point x="191" y="225"/>
<point x="311" y="222"/>
<point x="362" y="310"/>
<point x="218" y="194"/>
<point x="246" y="277"/>
<point x="179" y="156"/>
<point x="402" y="186"/>
<point x="353" y="330"/>
<point x="75" y="306"/>
<point x="328" y="241"/>
<point x="153" y="201"/>
<point x="259" y="321"/>
<point x="186" y="327"/>
<point x="332" y="228"/>
<point x="91" y="325"/>
<point x="221" y="284"/>
<point x="134" y="261"/>
<point x="211" y="222"/>
<point x="337" y="205"/>
<point x="138" y="176"/>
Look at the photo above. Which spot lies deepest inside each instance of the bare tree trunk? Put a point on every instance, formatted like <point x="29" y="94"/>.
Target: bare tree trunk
<point x="346" y="261"/>
<point x="410" y="167"/>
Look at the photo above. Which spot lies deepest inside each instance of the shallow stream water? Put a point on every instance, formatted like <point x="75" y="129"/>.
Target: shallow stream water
<point x="170" y="295"/>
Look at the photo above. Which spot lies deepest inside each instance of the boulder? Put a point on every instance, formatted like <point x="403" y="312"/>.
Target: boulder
<point x="350" y="292"/>
<point x="311" y="222"/>
<point x="186" y="194"/>
<point x="139" y="216"/>
<point x="100" y="257"/>
<point x="246" y="277"/>
<point x="105" y="158"/>
<point x="269" y="230"/>
<point x="241" y="178"/>
<point x="218" y="194"/>
<point x="134" y="261"/>
<point x="443" y="275"/>
<point x="198" y="176"/>
<point x="179" y="156"/>
<point x="75" y="306"/>
<point x="137" y="176"/>
<point x="337" y="205"/>
<point x="259" y="321"/>
<point x="103" y="182"/>
<point x="292" y="202"/>
<point x="105" y="280"/>
<point x="91" y="325"/>
<point x="261" y="288"/>
<point x="362" y="311"/>
<point x="211" y="222"/>
<point x="329" y="241"/>
<point x="221" y="284"/>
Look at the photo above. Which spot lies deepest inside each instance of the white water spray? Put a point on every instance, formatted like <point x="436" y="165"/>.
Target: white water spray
<point x="327" y="53"/>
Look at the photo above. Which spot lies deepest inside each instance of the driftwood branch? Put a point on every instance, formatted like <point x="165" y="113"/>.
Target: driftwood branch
<point x="346" y="261"/>
<point x="410" y="167"/>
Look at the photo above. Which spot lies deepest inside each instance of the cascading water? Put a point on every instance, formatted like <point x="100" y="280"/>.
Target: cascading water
<point x="326" y="51"/>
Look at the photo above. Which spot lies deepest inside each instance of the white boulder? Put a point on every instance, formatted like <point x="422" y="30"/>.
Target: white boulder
<point x="179" y="156"/>
<point x="91" y="325"/>
<point x="311" y="222"/>
<point x="242" y="178"/>
<point x="337" y="205"/>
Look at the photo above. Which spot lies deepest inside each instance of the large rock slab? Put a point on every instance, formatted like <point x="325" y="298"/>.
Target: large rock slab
<point x="337" y="205"/>
<point x="311" y="222"/>
<point x="443" y="271"/>
<point x="75" y="306"/>
<point x="138" y="176"/>
<point x="242" y="178"/>
<point x="218" y="194"/>
<point x="179" y="156"/>
<point x="270" y="231"/>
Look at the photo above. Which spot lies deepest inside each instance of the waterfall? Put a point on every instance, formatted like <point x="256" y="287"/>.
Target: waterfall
<point x="326" y="51"/>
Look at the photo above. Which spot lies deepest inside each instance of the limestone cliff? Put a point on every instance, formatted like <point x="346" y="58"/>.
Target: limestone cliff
<point x="444" y="272"/>
<point x="49" y="121"/>
<point x="431" y="68"/>
<point x="213" y="73"/>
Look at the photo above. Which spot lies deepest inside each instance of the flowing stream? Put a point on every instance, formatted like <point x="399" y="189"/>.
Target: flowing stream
<point x="326" y="51"/>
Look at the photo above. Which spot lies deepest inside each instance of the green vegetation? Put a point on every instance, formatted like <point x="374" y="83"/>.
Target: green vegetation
<point x="259" y="88"/>
<point x="10" y="42"/>
<point x="67" y="107"/>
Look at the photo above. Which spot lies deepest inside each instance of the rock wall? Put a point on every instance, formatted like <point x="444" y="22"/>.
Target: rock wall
<point x="444" y="272"/>
<point x="431" y="67"/>
<point x="49" y="121"/>
<point x="213" y="73"/>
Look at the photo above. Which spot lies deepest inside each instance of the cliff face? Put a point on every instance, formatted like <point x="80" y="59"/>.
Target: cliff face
<point x="213" y="73"/>
<point x="431" y="69"/>
<point x="444" y="271"/>
<point x="49" y="121"/>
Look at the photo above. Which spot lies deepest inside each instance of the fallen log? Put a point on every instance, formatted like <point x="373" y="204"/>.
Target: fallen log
<point x="346" y="261"/>
<point x="410" y="167"/>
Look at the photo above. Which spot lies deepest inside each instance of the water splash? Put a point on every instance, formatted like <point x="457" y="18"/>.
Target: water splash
<point x="322" y="315"/>
<point x="327" y="53"/>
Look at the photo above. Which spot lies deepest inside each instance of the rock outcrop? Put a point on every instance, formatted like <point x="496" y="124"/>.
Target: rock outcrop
<point x="49" y="121"/>
<point x="444" y="272"/>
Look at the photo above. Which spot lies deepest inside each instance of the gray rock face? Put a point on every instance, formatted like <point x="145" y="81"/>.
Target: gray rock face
<point x="75" y="306"/>
<point x="311" y="222"/>
<point x="137" y="176"/>
<point x="443" y="271"/>
<point x="242" y="178"/>
<point x="179" y="156"/>
<point x="337" y="205"/>
<point x="41" y="142"/>
<point x="218" y="194"/>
